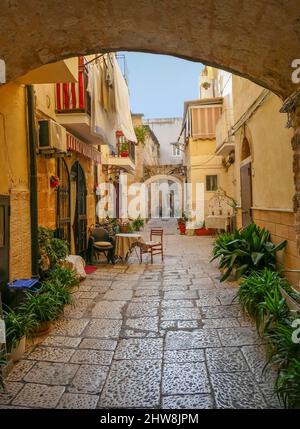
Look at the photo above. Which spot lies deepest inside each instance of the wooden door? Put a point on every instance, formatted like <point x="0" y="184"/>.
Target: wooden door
<point x="63" y="202"/>
<point x="246" y="193"/>
<point x="80" y="218"/>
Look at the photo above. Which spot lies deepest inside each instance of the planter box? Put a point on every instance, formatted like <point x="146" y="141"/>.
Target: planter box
<point x="204" y="231"/>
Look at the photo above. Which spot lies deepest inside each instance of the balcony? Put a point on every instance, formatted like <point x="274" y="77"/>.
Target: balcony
<point x="73" y="106"/>
<point x="224" y="139"/>
<point x="123" y="158"/>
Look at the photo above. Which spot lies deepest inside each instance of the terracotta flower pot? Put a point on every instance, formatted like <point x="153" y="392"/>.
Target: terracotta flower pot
<point x="43" y="329"/>
<point x="182" y="228"/>
<point x="124" y="153"/>
<point x="18" y="351"/>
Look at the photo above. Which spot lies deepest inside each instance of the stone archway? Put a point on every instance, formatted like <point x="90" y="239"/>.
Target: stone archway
<point x="168" y="191"/>
<point x="257" y="40"/>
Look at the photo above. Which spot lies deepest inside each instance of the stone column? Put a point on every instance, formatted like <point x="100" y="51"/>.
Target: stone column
<point x="296" y="170"/>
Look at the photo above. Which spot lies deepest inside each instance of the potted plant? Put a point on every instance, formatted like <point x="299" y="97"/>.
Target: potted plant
<point x="54" y="182"/>
<point x="182" y="223"/>
<point x="45" y="307"/>
<point x="19" y="325"/>
<point x="124" y="150"/>
<point x="137" y="224"/>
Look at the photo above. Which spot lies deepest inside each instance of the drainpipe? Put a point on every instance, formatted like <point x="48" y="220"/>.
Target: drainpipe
<point x="32" y="146"/>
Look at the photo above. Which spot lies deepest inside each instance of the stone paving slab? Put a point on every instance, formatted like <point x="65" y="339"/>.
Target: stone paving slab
<point x="89" y="379"/>
<point x="185" y="378"/>
<point x="150" y="348"/>
<point x="196" y="402"/>
<point x="236" y="390"/>
<point x="81" y="401"/>
<point x="167" y="335"/>
<point x="51" y="373"/>
<point x="39" y="396"/>
<point x="132" y="384"/>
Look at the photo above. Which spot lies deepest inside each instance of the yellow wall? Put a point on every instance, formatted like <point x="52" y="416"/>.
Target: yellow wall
<point x="272" y="174"/>
<point x="45" y="99"/>
<point x="15" y="175"/>
<point x="201" y="161"/>
<point x="271" y="151"/>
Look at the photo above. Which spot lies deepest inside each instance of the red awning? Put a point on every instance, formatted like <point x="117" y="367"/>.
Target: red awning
<point x="75" y="145"/>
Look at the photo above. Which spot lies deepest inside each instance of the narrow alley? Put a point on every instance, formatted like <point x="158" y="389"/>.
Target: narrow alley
<point x="149" y="336"/>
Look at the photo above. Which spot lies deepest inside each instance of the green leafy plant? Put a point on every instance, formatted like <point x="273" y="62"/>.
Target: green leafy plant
<point x="44" y="306"/>
<point x="243" y="251"/>
<point x="141" y="133"/>
<point x="288" y="384"/>
<point x="65" y="276"/>
<point x="18" y="324"/>
<point x="259" y="294"/>
<point x="59" y="293"/>
<point x="282" y="349"/>
<point x="51" y="249"/>
<point x="137" y="223"/>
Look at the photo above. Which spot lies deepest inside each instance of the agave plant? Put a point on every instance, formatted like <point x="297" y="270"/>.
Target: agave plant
<point x="248" y="249"/>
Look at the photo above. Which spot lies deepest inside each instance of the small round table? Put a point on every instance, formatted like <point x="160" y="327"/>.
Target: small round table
<point x="125" y="243"/>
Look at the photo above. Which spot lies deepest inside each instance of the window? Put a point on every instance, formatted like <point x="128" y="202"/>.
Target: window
<point x="175" y="150"/>
<point x="211" y="182"/>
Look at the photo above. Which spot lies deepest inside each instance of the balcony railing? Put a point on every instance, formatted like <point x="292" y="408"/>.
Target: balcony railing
<point x="74" y="97"/>
<point x="128" y="152"/>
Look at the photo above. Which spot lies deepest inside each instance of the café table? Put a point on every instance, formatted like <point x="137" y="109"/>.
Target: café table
<point x="126" y="242"/>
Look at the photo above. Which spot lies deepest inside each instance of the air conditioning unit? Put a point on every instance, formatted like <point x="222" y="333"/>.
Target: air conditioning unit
<point x="52" y="137"/>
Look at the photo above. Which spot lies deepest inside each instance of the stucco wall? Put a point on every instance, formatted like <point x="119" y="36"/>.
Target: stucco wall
<point x="14" y="176"/>
<point x="167" y="131"/>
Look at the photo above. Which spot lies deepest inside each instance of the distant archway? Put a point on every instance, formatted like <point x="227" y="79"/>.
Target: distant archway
<point x="164" y="196"/>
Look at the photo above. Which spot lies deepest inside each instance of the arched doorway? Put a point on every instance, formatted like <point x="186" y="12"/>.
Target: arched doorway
<point x="63" y="210"/>
<point x="246" y="182"/>
<point x="79" y="208"/>
<point x="164" y="196"/>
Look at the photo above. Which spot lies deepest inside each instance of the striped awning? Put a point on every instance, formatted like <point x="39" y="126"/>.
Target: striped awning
<point x="204" y="120"/>
<point x="75" y="145"/>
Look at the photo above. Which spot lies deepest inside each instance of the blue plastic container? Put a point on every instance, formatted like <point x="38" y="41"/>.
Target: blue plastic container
<point x="33" y="285"/>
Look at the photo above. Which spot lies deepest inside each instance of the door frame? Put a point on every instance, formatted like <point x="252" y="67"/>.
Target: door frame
<point x="78" y="218"/>
<point x="247" y="162"/>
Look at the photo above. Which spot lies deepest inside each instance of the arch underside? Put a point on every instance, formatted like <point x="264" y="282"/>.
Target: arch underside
<point x="257" y="40"/>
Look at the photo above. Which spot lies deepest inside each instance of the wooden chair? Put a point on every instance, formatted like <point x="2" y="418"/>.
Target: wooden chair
<point x="154" y="247"/>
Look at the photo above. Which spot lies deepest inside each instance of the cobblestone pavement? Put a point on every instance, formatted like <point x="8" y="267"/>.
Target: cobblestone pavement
<point x="148" y="336"/>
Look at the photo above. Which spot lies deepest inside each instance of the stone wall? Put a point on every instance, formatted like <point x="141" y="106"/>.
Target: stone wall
<point x="282" y="227"/>
<point x="20" y="235"/>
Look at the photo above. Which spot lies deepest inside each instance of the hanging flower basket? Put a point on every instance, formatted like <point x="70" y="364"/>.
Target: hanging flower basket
<point x="54" y="182"/>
